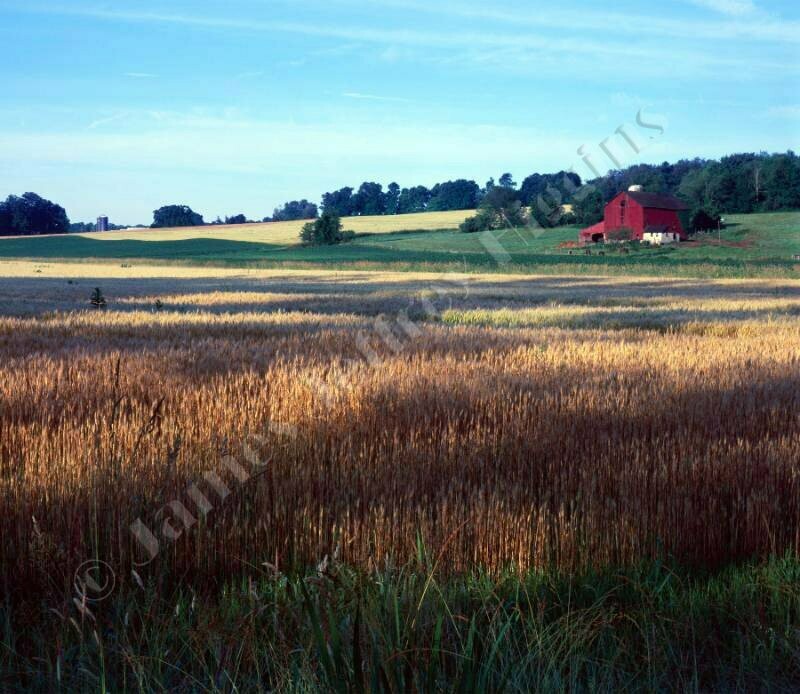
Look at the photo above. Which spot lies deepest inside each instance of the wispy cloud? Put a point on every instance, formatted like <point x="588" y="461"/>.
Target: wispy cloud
<point x="140" y="75"/>
<point x="375" y="97"/>
<point x="790" y="111"/>
<point x="107" y="120"/>
<point x="531" y="50"/>
<point x="736" y="8"/>
<point x="738" y="22"/>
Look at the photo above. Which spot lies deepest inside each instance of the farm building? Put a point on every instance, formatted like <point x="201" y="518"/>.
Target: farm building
<point x="636" y="215"/>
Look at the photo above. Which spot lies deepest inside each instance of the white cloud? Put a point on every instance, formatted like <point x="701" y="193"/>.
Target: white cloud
<point x="140" y="75"/>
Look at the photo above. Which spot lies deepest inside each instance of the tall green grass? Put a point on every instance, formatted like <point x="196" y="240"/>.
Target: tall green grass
<point x="652" y="628"/>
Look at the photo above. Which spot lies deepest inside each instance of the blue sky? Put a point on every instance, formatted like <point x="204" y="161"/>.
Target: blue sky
<point x="237" y="106"/>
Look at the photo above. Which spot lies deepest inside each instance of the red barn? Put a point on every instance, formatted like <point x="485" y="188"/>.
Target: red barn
<point x="641" y="213"/>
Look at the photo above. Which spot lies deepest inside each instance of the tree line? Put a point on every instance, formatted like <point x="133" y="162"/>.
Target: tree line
<point x="739" y="183"/>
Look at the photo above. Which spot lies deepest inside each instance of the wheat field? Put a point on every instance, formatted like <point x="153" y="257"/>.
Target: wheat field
<point x="288" y="233"/>
<point x="506" y="422"/>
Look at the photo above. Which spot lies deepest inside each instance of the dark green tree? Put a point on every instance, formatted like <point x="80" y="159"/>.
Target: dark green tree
<point x="294" y="210"/>
<point x="339" y="202"/>
<point x="500" y="209"/>
<point x="589" y="206"/>
<point x="507" y="181"/>
<point x="454" y="195"/>
<point x="176" y="216"/>
<point x="369" y="200"/>
<point x="782" y="183"/>
<point x="700" y="220"/>
<point x="391" y="200"/>
<point x="31" y="214"/>
<point x="413" y="200"/>
<point x="325" y="231"/>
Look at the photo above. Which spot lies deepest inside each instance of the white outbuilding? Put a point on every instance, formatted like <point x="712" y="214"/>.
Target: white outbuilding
<point x="660" y="235"/>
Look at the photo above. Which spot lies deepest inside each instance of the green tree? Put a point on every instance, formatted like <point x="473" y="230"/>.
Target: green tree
<point x="500" y="209"/>
<point x="454" y="195"/>
<point x="176" y="216"/>
<point x="589" y="206"/>
<point x="413" y="200"/>
<point x="507" y="181"/>
<point x="294" y="210"/>
<point x="339" y="202"/>
<point x="325" y="231"/>
<point x="369" y="200"/>
<point x="782" y="183"/>
<point x="30" y="214"/>
<point x="392" y="199"/>
<point x="700" y="220"/>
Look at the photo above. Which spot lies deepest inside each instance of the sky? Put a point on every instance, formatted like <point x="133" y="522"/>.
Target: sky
<point x="235" y="107"/>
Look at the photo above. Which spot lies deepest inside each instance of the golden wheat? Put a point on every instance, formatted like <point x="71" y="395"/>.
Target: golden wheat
<point x="532" y="446"/>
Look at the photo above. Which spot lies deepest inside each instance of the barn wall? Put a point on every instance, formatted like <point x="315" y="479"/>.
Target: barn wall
<point x="669" y="217"/>
<point x="630" y="216"/>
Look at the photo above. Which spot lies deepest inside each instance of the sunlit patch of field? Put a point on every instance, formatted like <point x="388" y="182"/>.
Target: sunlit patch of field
<point x="653" y="313"/>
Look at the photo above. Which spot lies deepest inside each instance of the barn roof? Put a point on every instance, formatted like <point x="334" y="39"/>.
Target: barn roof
<point x="660" y="202"/>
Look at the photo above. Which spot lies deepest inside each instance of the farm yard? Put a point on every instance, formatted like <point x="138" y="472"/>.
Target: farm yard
<point x="348" y="479"/>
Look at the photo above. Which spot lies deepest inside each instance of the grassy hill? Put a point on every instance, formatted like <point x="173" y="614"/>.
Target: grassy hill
<point x="751" y="245"/>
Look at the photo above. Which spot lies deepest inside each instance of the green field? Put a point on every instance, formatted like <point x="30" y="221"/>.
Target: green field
<point x="751" y="245"/>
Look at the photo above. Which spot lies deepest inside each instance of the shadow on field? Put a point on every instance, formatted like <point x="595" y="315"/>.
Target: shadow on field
<point x="368" y="294"/>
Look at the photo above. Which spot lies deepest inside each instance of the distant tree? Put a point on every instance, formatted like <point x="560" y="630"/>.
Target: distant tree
<point x="339" y="202"/>
<point x="782" y="182"/>
<point x="369" y="200"/>
<point x="499" y="209"/>
<point x="325" y="231"/>
<point x="507" y="181"/>
<point x="588" y="206"/>
<point x="454" y="195"/>
<point x="413" y="200"/>
<point x="482" y="221"/>
<point x="558" y="187"/>
<point x="701" y="220"/>
<point x="391" y="199"/>
<point x="176" y="216"/>
<point x="81" y="227"/>
<point x="30" y="214"/>
<point x="236" y="219"/>
<point x="294" y="210"/>
<point x="568" y="219"/>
